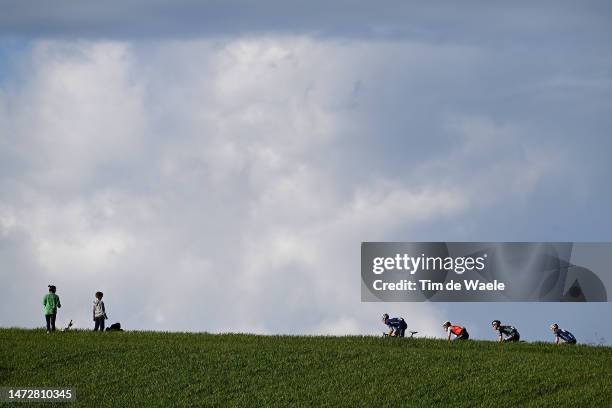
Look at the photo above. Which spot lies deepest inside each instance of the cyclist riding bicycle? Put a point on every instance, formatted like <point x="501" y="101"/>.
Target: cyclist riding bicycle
<point x="397" y="325"/>
<point x="459" y="332"/>
<point x="506" y="333"/>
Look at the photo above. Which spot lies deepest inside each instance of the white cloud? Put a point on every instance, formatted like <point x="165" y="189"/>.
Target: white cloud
<point x="79" y="109"/>
<point x="187" y="180"/>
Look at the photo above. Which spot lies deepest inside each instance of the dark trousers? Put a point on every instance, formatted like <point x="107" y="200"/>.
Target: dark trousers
<point x="99" y="323"/>
<point x="464" y="335"/>
<point x="50" y="321"/>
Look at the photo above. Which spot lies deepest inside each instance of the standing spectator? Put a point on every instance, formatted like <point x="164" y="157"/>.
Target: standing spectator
<point x="99" y="312"/>
<point x="51" y="302"/>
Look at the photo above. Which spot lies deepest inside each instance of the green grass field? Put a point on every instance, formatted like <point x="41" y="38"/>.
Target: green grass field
<point x="178" y="369"/>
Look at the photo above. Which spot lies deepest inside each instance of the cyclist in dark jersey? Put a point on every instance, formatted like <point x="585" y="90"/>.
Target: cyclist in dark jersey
<point x="397" y="325"/>
<point x="562" y="335"/>
<point x="459" y="332"/>
<point x="506" y="333"/>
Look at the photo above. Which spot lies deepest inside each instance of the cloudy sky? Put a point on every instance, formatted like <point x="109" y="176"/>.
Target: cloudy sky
<point x="215" y="166"/>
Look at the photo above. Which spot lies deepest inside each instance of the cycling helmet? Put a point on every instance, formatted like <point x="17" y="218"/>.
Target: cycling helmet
<point x="447" y="324"/>
<point x="495" y="323"/>
<point x="385" y="316"/>
<point x="554" y="326"/>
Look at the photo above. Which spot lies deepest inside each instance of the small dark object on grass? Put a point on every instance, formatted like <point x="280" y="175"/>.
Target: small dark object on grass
<point x="114" y="327"/>
<point x="67" y="328"/>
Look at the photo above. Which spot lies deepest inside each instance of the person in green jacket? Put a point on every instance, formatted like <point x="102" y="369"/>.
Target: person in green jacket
<point x="50" y="304"/>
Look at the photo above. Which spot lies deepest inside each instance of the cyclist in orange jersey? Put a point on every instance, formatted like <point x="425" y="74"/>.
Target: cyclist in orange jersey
<point x="459" y="332"/>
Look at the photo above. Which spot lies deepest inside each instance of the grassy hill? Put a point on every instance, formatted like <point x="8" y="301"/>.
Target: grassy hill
<point x="165" y="369"/>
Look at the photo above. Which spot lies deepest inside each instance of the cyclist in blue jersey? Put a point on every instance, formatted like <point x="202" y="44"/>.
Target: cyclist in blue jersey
<point x="397" y="325"/>
<point x="562" y="335"/>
